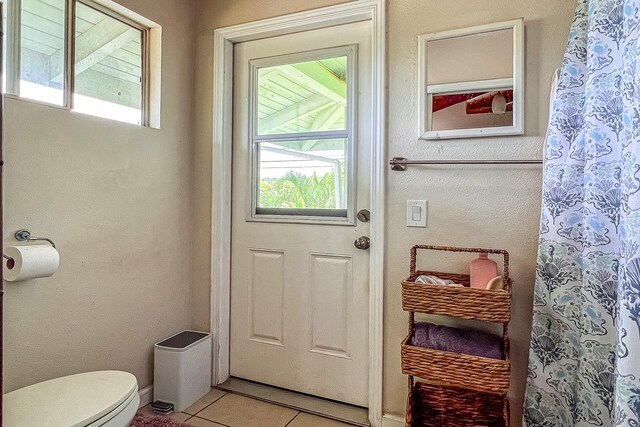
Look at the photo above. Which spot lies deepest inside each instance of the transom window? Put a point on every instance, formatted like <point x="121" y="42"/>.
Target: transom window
<point x="81" y="55"/>
<point x="302" y="135"/>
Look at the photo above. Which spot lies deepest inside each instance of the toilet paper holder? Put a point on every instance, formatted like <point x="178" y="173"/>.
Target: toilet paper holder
<point x="24" y="235"/>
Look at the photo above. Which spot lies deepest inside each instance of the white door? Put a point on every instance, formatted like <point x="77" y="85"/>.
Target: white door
<point x="301" y="173"/>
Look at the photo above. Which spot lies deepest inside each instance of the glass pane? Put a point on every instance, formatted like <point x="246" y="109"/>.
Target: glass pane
<point x="303" y="97"/>
<point x="303" y="174"/>
<point x="42" y="50"/>
<point x="108" y="67"/>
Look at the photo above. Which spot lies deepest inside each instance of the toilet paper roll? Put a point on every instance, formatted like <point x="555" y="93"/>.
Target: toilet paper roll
<point x="30" y="262"/>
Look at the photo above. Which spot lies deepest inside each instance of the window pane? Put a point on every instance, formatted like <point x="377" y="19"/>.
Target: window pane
<point x="303" y="174"/>
<point x="302" y="97"/>
<point x="42" y="50"/>
<point x="108" y="67"/>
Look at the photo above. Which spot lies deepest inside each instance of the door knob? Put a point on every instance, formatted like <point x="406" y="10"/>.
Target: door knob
<point x="362" y="242"/>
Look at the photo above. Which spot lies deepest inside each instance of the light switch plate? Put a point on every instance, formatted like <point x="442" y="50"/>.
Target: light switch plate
<point x="416" y="213"/>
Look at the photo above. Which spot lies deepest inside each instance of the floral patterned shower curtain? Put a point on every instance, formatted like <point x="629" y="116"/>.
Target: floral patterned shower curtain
<point x="584" y="364"/>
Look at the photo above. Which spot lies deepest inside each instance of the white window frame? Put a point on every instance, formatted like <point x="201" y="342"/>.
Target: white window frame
<point x="306" y="216"/>
<point x="151" y="36"/>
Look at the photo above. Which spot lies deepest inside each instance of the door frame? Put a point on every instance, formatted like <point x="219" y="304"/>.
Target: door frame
<point x="224" y="39"/>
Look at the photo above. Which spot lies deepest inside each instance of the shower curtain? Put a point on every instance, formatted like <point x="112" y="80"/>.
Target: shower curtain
<point x="584" y="363"/>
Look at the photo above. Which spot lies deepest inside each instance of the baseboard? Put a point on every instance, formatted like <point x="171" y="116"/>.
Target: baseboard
<point x="146" y="395"/>
<point x="389" y="420"/>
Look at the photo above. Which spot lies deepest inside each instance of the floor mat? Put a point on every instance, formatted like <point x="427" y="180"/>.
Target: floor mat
<point x="141" y="420"/>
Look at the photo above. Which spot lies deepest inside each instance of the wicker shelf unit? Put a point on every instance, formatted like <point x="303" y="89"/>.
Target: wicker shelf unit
<point x="453" y="389"/>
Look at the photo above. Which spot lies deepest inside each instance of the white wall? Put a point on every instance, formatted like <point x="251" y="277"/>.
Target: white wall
<point x="491" y="206"/>
<point x="117" y="201"/>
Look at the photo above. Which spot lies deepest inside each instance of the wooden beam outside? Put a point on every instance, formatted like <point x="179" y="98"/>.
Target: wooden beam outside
<point x="322" y="117"/>
<point x="117" y="73"/>
<point x="104" y="38"/>
<point x="317" y="79"/>
<point x="108" y="88"/>
<point x="330" y="120"/>
<point x="292" y="113"/>
<point x="35" y="67"/>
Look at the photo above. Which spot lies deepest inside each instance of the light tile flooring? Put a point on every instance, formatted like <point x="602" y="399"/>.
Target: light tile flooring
<point x="221" y="409"/>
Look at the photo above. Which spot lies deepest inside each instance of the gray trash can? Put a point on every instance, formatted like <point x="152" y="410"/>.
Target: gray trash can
<point x="182" y="369"/>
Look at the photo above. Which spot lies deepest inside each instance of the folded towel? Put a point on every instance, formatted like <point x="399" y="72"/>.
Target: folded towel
<point x="466" y="341"/>
<point x="432" y="280"/>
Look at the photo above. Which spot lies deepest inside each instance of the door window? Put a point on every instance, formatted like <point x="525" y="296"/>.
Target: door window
<point x="302" y="136"/>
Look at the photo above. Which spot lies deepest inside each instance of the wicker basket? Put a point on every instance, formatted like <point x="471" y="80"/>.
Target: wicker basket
<point x="449" y="369"/>
<point x="448" y="407"/>
<point x="466" y="302"/>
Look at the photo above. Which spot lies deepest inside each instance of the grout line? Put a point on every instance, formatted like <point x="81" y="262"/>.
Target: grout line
<point x="207" y="419"/>
<point x="292" y="419"/>
<point x="225" y="393"/>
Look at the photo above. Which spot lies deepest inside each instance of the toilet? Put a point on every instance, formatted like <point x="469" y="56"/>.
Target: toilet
<point x="102" y="398"/>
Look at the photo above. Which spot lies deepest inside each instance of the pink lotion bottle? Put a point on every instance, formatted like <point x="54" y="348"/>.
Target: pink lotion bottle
<point x="482" y="270"/>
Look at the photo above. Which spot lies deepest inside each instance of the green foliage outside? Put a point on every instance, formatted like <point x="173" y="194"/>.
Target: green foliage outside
<point x="295" y="190"/>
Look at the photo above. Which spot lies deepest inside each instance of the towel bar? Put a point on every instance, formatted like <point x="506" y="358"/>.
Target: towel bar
<point x="400" y="163"/>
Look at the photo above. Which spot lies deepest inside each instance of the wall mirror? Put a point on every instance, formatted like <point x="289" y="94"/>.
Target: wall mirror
<point x="471" y="81"/>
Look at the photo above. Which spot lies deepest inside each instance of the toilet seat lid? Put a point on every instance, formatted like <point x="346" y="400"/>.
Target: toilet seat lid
<point x="72" y="401"/>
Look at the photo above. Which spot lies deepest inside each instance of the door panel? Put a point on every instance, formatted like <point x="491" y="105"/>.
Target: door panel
<point x="331" y="283"/>
<point x="301" y="165"/>
<point x="266" y="296"/>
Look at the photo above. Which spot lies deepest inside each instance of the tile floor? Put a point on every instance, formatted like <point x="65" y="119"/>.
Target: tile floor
<point x="221" y="409"/>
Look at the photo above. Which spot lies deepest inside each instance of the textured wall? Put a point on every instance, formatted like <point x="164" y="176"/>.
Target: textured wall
<point x="116" y="199"/>
<point x="468" y="206"/>
<point x="495" y="206"/>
